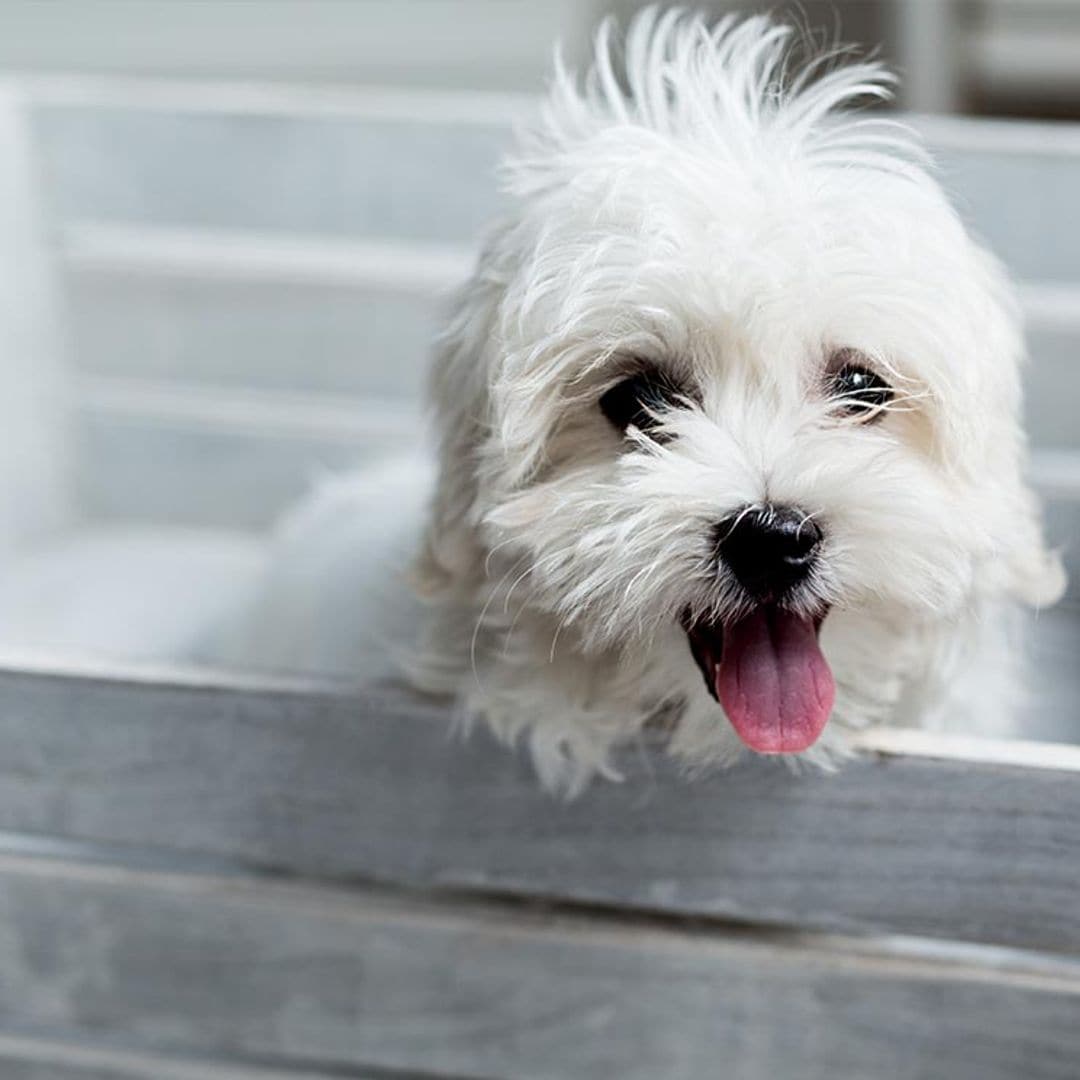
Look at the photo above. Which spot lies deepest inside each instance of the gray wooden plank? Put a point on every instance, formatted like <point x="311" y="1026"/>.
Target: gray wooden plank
<point x="152" y="1067"/>
<point x="184" y="472"/>
<point x="34" y="1057"/>
<point x="267" y="335"/>
<point x="36" y="1070"/>
<point x="369" y="785"/>
<point x="39" y="1070"/>
<point x="1051" y="713"/>
<point x="38" y="1057"/>
<point x="1016" y="203"/>
<point x="338" y="174"/>
<point x="240" y="967"/>
<point x="1052" y="383"/>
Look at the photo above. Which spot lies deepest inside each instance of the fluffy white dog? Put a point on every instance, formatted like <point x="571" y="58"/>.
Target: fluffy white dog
<point x="729" y="437"/>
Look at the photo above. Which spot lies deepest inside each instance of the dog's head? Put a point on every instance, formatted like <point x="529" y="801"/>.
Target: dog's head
<point x="732" y="371"/>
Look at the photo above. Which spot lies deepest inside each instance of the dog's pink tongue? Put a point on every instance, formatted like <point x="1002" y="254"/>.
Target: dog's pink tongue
<point x="775" y="685"/>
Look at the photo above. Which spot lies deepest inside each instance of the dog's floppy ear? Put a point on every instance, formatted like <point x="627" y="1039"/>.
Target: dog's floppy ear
<point x="461" y="410"/>
<point x="1036" y="576"/>
<point x="983" y="439"/>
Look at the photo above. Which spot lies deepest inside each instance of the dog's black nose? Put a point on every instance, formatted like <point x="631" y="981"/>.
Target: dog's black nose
<point x="768" y="549"/>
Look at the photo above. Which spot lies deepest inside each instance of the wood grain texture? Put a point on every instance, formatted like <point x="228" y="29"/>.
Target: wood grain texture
<point x="25" y="1057"/>
<point x="254" y="969"/>
<point x="371" y="786"/>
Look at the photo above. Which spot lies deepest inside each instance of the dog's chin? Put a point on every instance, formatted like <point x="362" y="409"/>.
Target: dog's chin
<point x="768" y="672"/>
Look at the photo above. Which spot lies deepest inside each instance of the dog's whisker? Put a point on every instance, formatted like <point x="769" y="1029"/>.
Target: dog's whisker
<point x="479" y="622"/>
<point x="495" y="549"/>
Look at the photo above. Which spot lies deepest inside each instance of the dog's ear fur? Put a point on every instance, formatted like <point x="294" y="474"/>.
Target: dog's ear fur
<point x="995" y="453"/>
<point x="460" y="404"/>
<point x="1036" y="575"/>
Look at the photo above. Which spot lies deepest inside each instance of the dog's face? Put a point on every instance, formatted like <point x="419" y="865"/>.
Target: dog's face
<point x="733" y="403"/>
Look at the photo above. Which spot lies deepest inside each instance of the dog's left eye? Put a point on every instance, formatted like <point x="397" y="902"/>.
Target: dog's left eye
<point x="858" y="390"/>
<point x="640" y="401"/>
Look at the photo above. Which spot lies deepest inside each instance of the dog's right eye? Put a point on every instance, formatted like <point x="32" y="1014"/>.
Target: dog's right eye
<point x="857" y="389"/>
<point x="640" y="401"/>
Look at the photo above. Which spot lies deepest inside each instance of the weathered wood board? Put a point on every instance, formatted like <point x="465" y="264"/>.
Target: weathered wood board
<point x="371" y="786"/>
<point x="35" y="1058"/>
<point x="233" y="967"/>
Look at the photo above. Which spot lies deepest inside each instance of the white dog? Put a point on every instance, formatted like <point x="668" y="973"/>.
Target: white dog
<point x="729" y="438"/>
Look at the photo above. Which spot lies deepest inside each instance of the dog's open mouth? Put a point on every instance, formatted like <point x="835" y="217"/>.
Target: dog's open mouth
<point x="768" y="672"/>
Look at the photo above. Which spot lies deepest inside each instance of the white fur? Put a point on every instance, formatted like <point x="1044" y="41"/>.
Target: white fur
<point x="332" y="599"/>
<point x="705" y="203"/>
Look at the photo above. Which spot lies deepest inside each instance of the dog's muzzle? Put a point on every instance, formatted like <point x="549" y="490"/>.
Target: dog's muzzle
<point x="765" y="665"/>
